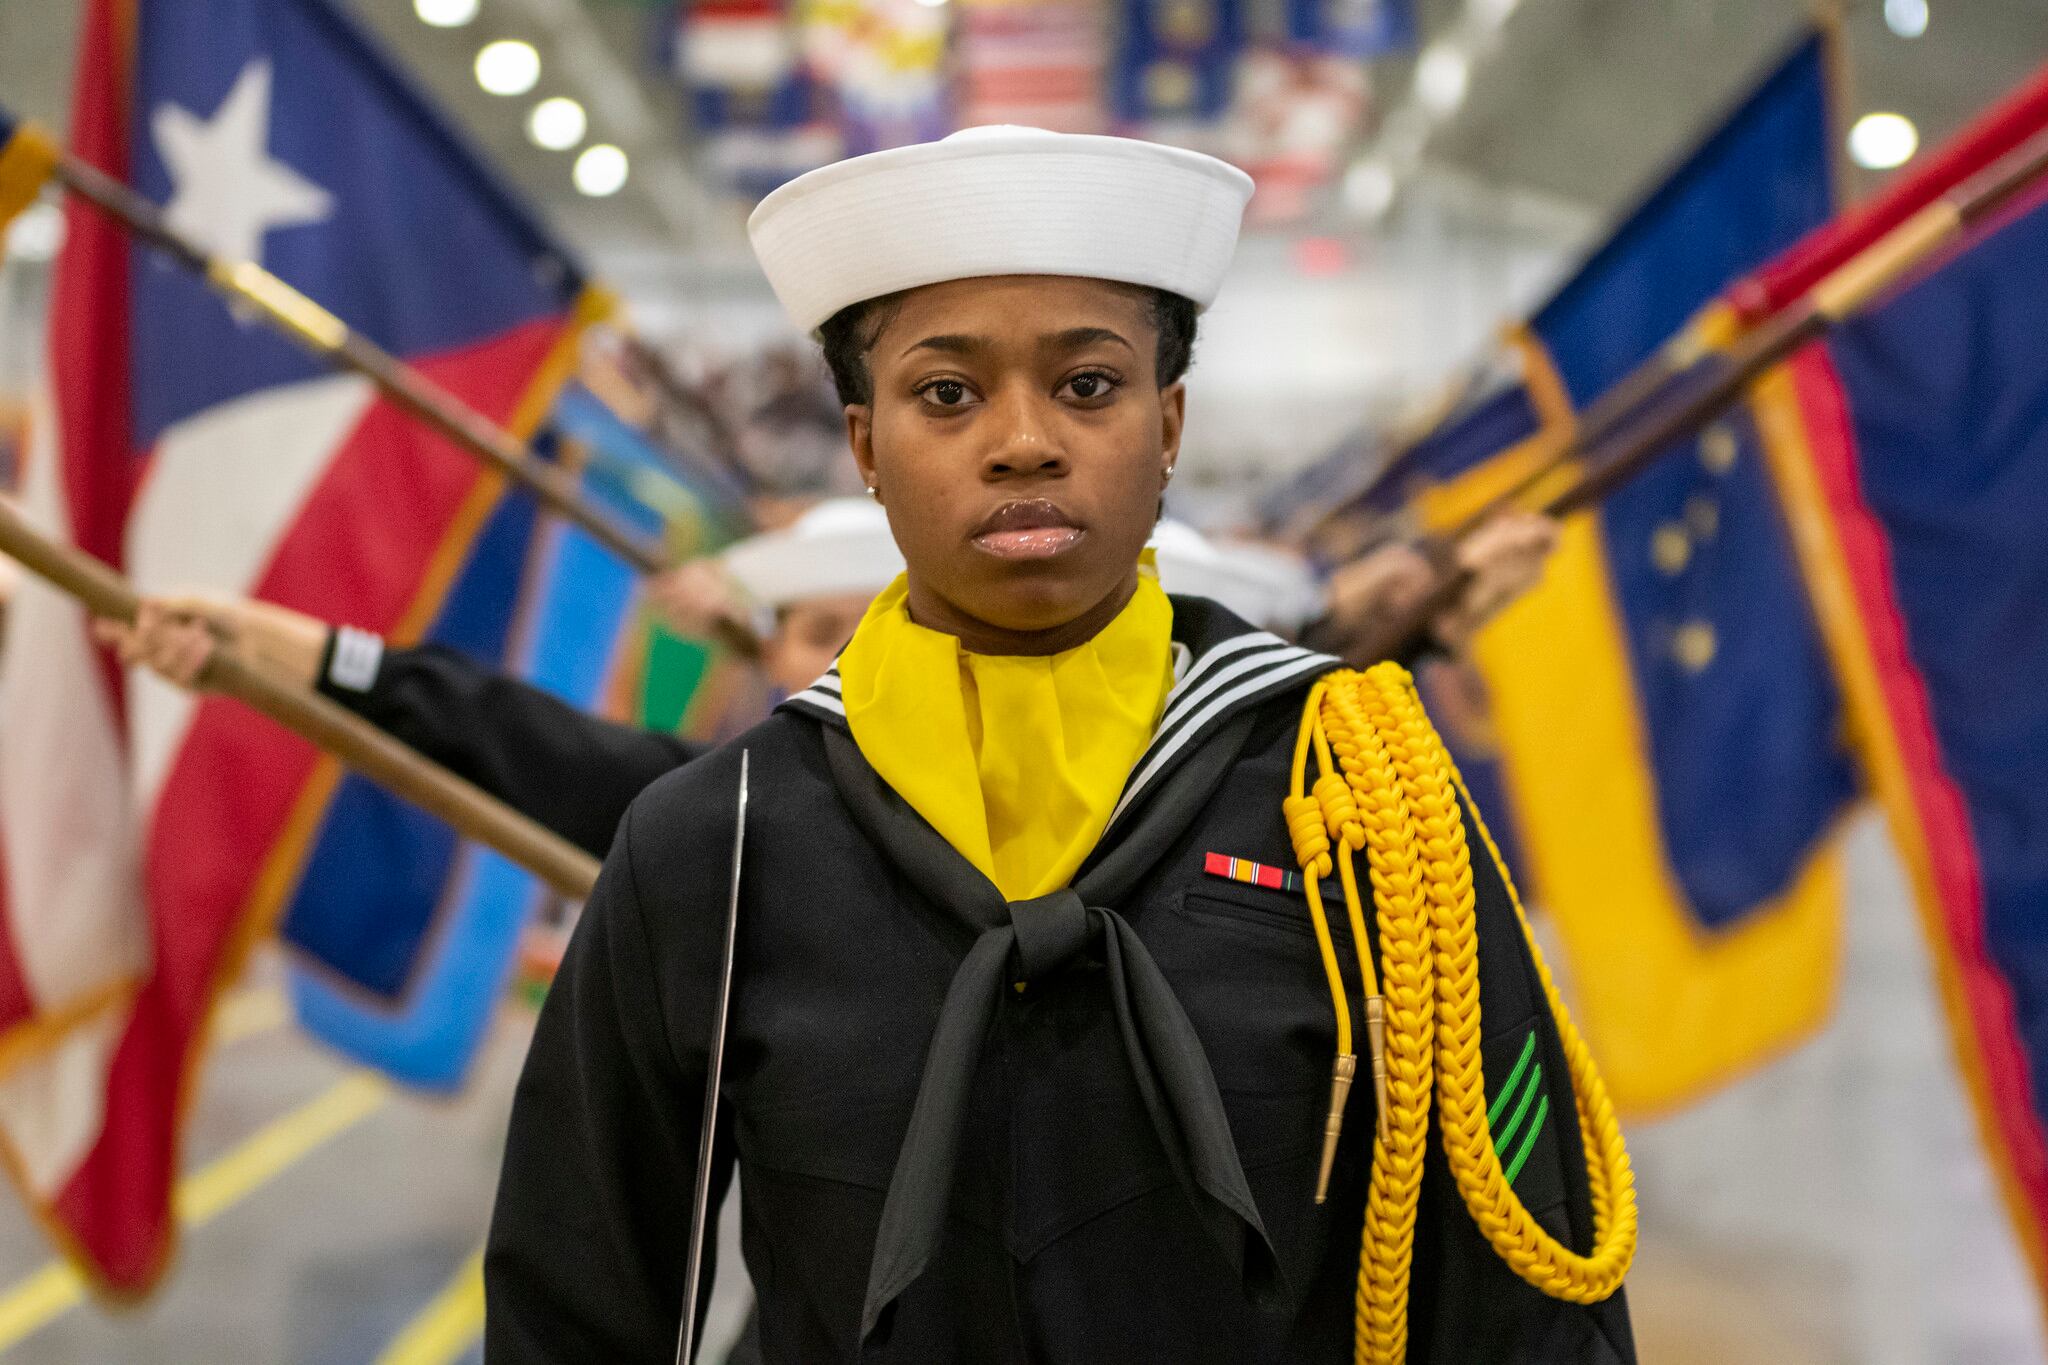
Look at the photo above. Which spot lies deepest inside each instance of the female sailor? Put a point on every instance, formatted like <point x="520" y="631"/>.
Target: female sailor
<point x="1070" y="911"/>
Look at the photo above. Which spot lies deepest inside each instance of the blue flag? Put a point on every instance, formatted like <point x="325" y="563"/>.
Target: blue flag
<point x="1913" y="444"/>
<point x="1667" y="726"/>
<point x="1740" y="715"/>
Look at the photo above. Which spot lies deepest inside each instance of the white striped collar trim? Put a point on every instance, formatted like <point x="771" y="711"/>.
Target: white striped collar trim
<point x="821" y="697"/>
<point x="1231" y="660"/>
<point x="818" y="698"/>
<point x="1206" y="708"/>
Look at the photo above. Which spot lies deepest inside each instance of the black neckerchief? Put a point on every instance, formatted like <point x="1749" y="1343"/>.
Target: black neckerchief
<point x="1225" y="668"/>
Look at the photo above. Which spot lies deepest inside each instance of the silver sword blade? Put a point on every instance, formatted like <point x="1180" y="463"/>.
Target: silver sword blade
<point x="686" y="1336"/>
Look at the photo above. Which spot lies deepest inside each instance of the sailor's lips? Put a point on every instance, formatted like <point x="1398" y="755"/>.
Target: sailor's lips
<point x="1030" y="528"/>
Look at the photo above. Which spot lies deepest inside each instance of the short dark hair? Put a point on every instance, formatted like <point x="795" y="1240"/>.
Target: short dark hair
<point x="849" y="333"/>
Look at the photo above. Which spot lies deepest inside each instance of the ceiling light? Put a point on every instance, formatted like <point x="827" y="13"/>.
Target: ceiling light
<point x="445" y="13"/>
<point x="508" y="67"/>
<point x="1441" y="77"/>
<point x="556" y="124"/>
<point x="600" y="170"/>
<point x="931" y="4"/>
<point x="1907" y="18"/>
<point x="1493" y="13"/>
<point x="1879" y="142"/>
<point x="36" y="234"/>
<point x="1369" y="189"/>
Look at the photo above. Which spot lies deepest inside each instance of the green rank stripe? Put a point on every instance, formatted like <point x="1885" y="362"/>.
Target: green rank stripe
<point x="1522" y="1096"/>
<point x="1529" y="1142"/>
<point x="1500" y="1101"/>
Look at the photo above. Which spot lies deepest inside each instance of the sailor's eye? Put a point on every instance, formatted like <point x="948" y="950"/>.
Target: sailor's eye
<point x="1092" y="385"/>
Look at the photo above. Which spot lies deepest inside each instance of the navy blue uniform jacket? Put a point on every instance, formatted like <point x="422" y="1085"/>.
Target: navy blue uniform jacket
<point x="1078" y="1129"/>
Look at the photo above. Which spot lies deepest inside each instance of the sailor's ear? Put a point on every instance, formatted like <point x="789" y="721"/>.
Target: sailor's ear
<point x="1173" y="412"/>
<point x="860" y="439"/>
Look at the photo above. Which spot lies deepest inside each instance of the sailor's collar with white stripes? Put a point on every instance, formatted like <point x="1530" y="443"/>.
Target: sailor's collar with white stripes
<point x="1221" y="666"/>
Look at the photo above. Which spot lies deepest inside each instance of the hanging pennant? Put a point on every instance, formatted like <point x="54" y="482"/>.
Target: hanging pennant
<point x="1293" y="116"/>
<point x="1358" y="29"/>
<point x="763" y="119"/>
<point x="1030" y="62"/>
<point x="884" y="63"/>
<point x="1173" y="72"/>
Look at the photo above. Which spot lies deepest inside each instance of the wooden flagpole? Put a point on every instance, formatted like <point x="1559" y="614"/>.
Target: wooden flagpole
<point x="1605" y="415"/>
<point x="1716" y="382"/>
<point x="363" y="747"/>
<point x="250" y="286"/>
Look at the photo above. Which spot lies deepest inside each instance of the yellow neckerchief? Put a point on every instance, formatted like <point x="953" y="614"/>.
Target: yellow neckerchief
<point x="1016" y="760"/>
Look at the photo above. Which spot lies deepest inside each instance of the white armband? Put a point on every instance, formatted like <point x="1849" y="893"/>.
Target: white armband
<point x="357" y="656"/>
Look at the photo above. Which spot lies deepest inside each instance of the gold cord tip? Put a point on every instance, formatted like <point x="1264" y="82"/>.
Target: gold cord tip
<point x="1376" y="1048"/>
<point x="1341" y="1073"/>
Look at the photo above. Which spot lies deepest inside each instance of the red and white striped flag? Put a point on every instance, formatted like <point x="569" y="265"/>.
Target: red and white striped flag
<point x="1034" y="62"/>
<point x="149" y="838"/>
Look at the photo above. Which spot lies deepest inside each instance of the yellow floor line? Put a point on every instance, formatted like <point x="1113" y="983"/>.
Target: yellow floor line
<point x="210" y="1191"/>
<point x="203" y="1195"/>
<point x="448" y="1326"/>
<point x="49" y="1293"/>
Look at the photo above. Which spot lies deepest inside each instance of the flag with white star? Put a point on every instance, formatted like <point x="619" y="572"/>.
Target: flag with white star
<point x="150" y="836"/>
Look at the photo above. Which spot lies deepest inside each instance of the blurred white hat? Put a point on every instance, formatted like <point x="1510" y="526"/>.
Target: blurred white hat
<point x="842" y="545"/>
<point x="1265" y="586"/>
<point x="1000" y="201"/>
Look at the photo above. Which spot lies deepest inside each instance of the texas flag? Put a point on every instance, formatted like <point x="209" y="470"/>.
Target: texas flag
<point x="149" y="838"/>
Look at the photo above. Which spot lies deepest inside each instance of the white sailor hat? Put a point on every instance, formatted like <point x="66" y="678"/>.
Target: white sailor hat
<point x="999" y="201"/>
<point x="842" y="545"/>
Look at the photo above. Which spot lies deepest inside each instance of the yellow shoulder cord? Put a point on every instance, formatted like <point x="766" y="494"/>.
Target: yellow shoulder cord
<point x="1388" y="786"/>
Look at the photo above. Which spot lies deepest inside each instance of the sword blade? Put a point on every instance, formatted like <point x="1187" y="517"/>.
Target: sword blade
<point x="700" y="1204"/>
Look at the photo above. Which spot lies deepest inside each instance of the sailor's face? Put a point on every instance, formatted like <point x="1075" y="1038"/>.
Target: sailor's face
<point x="1020" y="442"/>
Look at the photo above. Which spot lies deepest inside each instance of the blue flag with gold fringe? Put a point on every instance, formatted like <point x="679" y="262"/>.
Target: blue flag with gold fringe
<point x="1665" y="722"/>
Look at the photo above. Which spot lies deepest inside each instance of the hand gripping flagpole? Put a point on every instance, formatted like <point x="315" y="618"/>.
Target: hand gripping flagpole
<point x="363" y="747"/>
<point x="251" y="287"/>
<point x="700" y="1199"/>
<point x="1614" y="455"/>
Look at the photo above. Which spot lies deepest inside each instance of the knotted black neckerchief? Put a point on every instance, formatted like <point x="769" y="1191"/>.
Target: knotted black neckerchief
<point x="1045" y="935"/>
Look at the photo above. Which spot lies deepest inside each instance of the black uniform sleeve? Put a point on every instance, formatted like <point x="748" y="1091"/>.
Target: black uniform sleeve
<point x="572" y="772"/>
<point x="1466" y="1304"/>
<point x="588" y="1239"/>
